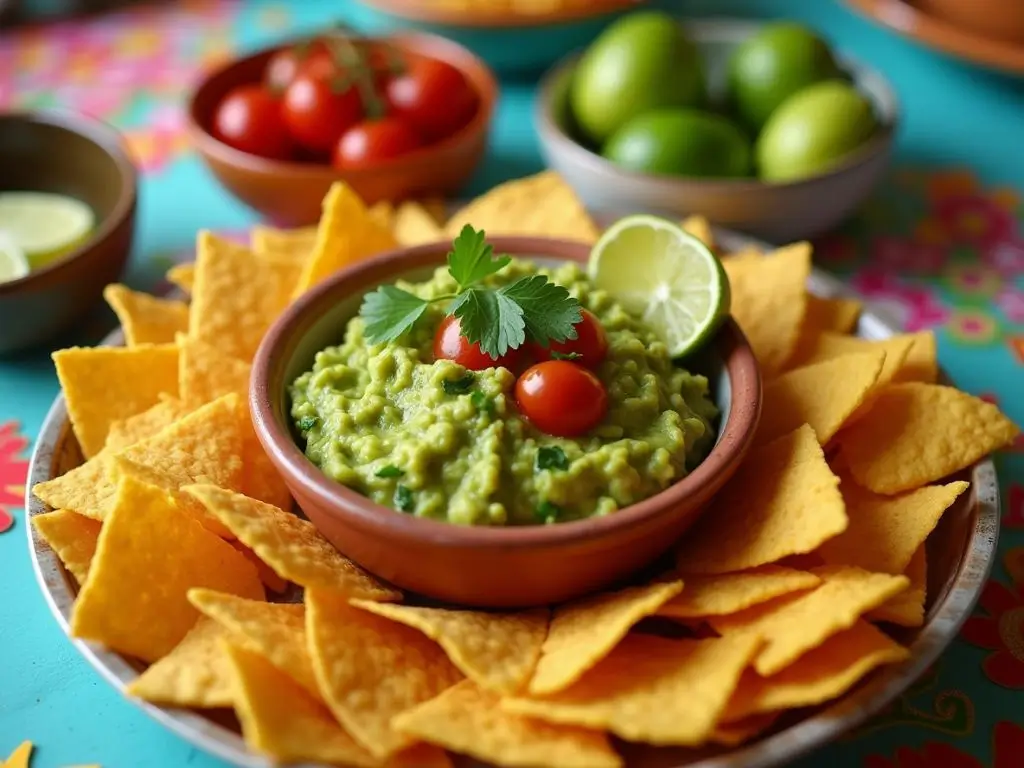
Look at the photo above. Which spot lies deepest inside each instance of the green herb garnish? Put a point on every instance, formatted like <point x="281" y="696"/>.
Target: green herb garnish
<point x="497" y="319"/>
<point x="403" y="499"/>
<point x="458" y="386"/>
<point x="548" y="512"/>
<point x="390" y="471"/>
<point x="556" y="355"/>
<point x="482" y="402"/>
<point x="306" y="423"/>
<point x="551" y="457"/>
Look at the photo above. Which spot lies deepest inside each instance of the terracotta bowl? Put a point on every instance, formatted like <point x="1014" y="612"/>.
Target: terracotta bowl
<point x="483" y="566"/>
<point x="290" y="193"/>
<point x="999" y="19"/>
<point x="778" y="212"/>
<point x="83" y="158"/>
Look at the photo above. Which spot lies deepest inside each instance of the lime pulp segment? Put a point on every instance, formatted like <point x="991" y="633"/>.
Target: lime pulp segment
<point x="13" y="264"/>
<point x="42" y="223"/>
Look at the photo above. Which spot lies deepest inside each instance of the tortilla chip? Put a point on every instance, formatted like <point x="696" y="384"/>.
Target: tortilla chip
<point x="149" y="555"/>
<point x="769" y="301"/>
<point x="922" y="363"/>
<point x="146" y="319"/>
<point x="469" y="720"/>
<point x="699" y="227"/>
<point x="20" y="756"/>
<point x="205" y="373"/>
<point x="792" y="626"/>
<point x="276" y="631"/>
<point x="414" y="226"/>
<point x="650" y="689"/>
<point x="270" y="580"/>
<point x="907" y="607"/>
<point x="346" y="236"/>
<point x="918" y="433"/>
<point x="543" y="205"/>
<point x="382" y="213"/>
<point x="260" y="478"/>
<point x="293" y="547"/>
<point x="732" y="592"/>
<point x="371" y="669"/>
<point x="885" y="531"/>
<point x="585" y="631"/>
<point x="144" y="425"/>
<point x="829" y="346"/>
<point x="281" y="719"/>
<point x="236" y="295"/>
<point x="823" y="396"/>
<point x="104" y="384"/>
<point x="72" y="536"/>
<point x="783" y="501"/>
<point x="818" y="676"/>
<point x="838" y="314"/>
<point x="88" y="489"/>
<point x="183" y="276"/>
<point x="497" y="651"/>
<point x="295" y="244"/>
<point x="195" y="674"/>
<point x="737" y="732"/>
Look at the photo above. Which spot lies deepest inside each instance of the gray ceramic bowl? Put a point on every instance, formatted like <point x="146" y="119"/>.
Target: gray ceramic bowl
<point x="776" y="212"/>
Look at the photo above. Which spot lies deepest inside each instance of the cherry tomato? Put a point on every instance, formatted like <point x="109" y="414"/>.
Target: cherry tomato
<point x="319" y="106"/>
<point x="371" y="141"/>
<point x="561" y="398"/>
<point x="432" y="96"/>
<point x="285" y="65"/>
<point x="590" y="343"/>
<point x="450" y="344"/>
<point x="249" y="119"/>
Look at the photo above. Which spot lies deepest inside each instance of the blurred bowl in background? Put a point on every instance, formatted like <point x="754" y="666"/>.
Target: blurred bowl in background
<point x="998" y="19"/>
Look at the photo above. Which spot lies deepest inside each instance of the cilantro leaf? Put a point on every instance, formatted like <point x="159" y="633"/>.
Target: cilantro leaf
<point x="390" y="471"/>
<point x="548" y="512"/>
<point x="551" y="457"/>
<point x="556" y="355"/>
<point x="306" y="423"/>
<point x="481" y="402"/>
<point x="458" y="386"/>
<point x="389" y="312"/>
<point x="472" y="259"/>
<point x="491" y="319"/>
<point x="548" y="311"/>
<point x="403" y="499"/>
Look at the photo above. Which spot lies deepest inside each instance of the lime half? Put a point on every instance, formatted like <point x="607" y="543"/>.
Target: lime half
<point x="13" y="264"/>
<point x="668" y="277"/>
<point x="44" y="225"/>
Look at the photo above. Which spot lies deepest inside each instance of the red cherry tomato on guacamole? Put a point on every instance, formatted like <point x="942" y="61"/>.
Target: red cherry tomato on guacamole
<point x="285" y="65"/>
<point x="432" y="96"/>
<point x="561" y="398"/>
<point x="249" y="119"/>
<point x="450" y="344"/>
<point x="319" y="106"/>
<point x="590" y="344"/>
<point x="372" y="141"/>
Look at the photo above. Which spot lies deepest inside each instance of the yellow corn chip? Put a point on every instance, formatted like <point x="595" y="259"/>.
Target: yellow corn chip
<point x="281" y="719"/>
<point x="104" y="384"/>
<point x="295" y="244"/>
<point x="293" y="547"/>
<point x="144" y="425"/>
<point x="414" y="226"/>
<point x="276" y="631"/>
<point x="260" y="478"/>
<point x="769" y="301"/>
<point x="823" y="395"/>
<point x="195" y="674"/>
<point x="183" y="276"/>
<point x="829" y="346"/>
<point x="469" y="720"/>
<point x="651" y="689"/>
<point x="87" y="489"/>
<point x="72" y="536"/>
<point x="542" y="205"/>
<point x="918" y="433"/>
<point x="819" y="675"/>
<point x="382" y="213"/>
<point x="236" y="295"/>
<point x="922" y="361"/>
<point x="737" y="732"/>
<point x="436" y="208"/>
<point x="146" y="319"/>
<point x="699" y="227"/>
<point x="347" y="235"/>
<point x="783" y="501"/>
<point x="732" y="592"/>
<point x="371" y="669"/>
<point x="205" y="373"/>
<point x="20" y="756"/>
<point x="907" y="607"/>
<point x="497" y="651"/>
<point x="838" y="314"/>
<point x="149" y="555"/>
<point x="885" y="531"/>
<point x="270" y="580"/>
<point x="792" y="626"/>
<point x="585" y="631"/>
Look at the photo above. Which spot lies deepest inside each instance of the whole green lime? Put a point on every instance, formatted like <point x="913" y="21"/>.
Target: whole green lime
<point x="641" y="62"/>
<point x="812" y="130"/>
<point x="772" y="65"/>
<point x="683" y="142"/>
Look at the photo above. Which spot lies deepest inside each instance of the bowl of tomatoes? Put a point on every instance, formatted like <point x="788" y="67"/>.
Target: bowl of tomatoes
<point x="400" y="117"/>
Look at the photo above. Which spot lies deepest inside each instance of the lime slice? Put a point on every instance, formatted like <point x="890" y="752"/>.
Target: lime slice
<point x="13" y="264"/>
<point x="668" y="277"/>
<point x="44" y="225"/>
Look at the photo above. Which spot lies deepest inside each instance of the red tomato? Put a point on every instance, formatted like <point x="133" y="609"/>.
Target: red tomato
<point x="590" y="343"/>
<point x="450" y="344"/>
<point x="432" y="96"/>
<point x="319" y="107"/>
<point x="286" y="64"/>
<point x="561" y="398"/>
<point x="249" y="119"/>
<point x="372" y="141"/>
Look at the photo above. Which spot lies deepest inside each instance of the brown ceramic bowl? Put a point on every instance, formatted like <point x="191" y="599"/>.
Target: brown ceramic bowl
<point x="998" y="19"/>
<point x="80" y="157"/>
<point x="291" y="193"/>
<point x="484" y="566"/>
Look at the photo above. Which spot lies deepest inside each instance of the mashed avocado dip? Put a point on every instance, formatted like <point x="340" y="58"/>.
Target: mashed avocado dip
<point x="429" y="438"/>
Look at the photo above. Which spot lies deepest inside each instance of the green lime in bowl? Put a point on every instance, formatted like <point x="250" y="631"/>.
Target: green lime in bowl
<point x="43" y="225"/>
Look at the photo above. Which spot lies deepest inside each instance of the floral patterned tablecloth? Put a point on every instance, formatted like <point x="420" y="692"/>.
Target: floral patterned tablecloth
<point x="937" y="247"/>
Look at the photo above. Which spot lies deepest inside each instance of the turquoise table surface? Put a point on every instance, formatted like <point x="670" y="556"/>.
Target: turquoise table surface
<point x="941" y="245"/>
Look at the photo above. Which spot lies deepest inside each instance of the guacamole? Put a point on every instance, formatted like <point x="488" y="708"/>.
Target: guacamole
<point x="429" y="438"/>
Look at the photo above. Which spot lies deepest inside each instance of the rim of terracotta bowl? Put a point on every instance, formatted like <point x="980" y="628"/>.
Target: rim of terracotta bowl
<point x="879" y="143"/>
<point x="107" y="139"/>
<point x="476" y="72"/>
<point x="733" y="439"/>
<point x="417" y="10"/>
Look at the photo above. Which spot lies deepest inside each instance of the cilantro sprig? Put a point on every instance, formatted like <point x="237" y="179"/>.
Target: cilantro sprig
<point x="531" y="308"/>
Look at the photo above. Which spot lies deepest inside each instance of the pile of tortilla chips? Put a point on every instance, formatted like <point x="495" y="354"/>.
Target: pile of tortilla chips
<point x="781" y="597"/>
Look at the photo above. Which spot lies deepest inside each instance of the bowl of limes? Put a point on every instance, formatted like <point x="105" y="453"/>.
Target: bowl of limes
<point x="760" y="127"/>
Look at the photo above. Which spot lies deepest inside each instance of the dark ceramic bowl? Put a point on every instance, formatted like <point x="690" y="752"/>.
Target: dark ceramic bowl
<point x="485" y="566"/>
<point x="291" y="193"/>
<point x="80" y="157"/>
